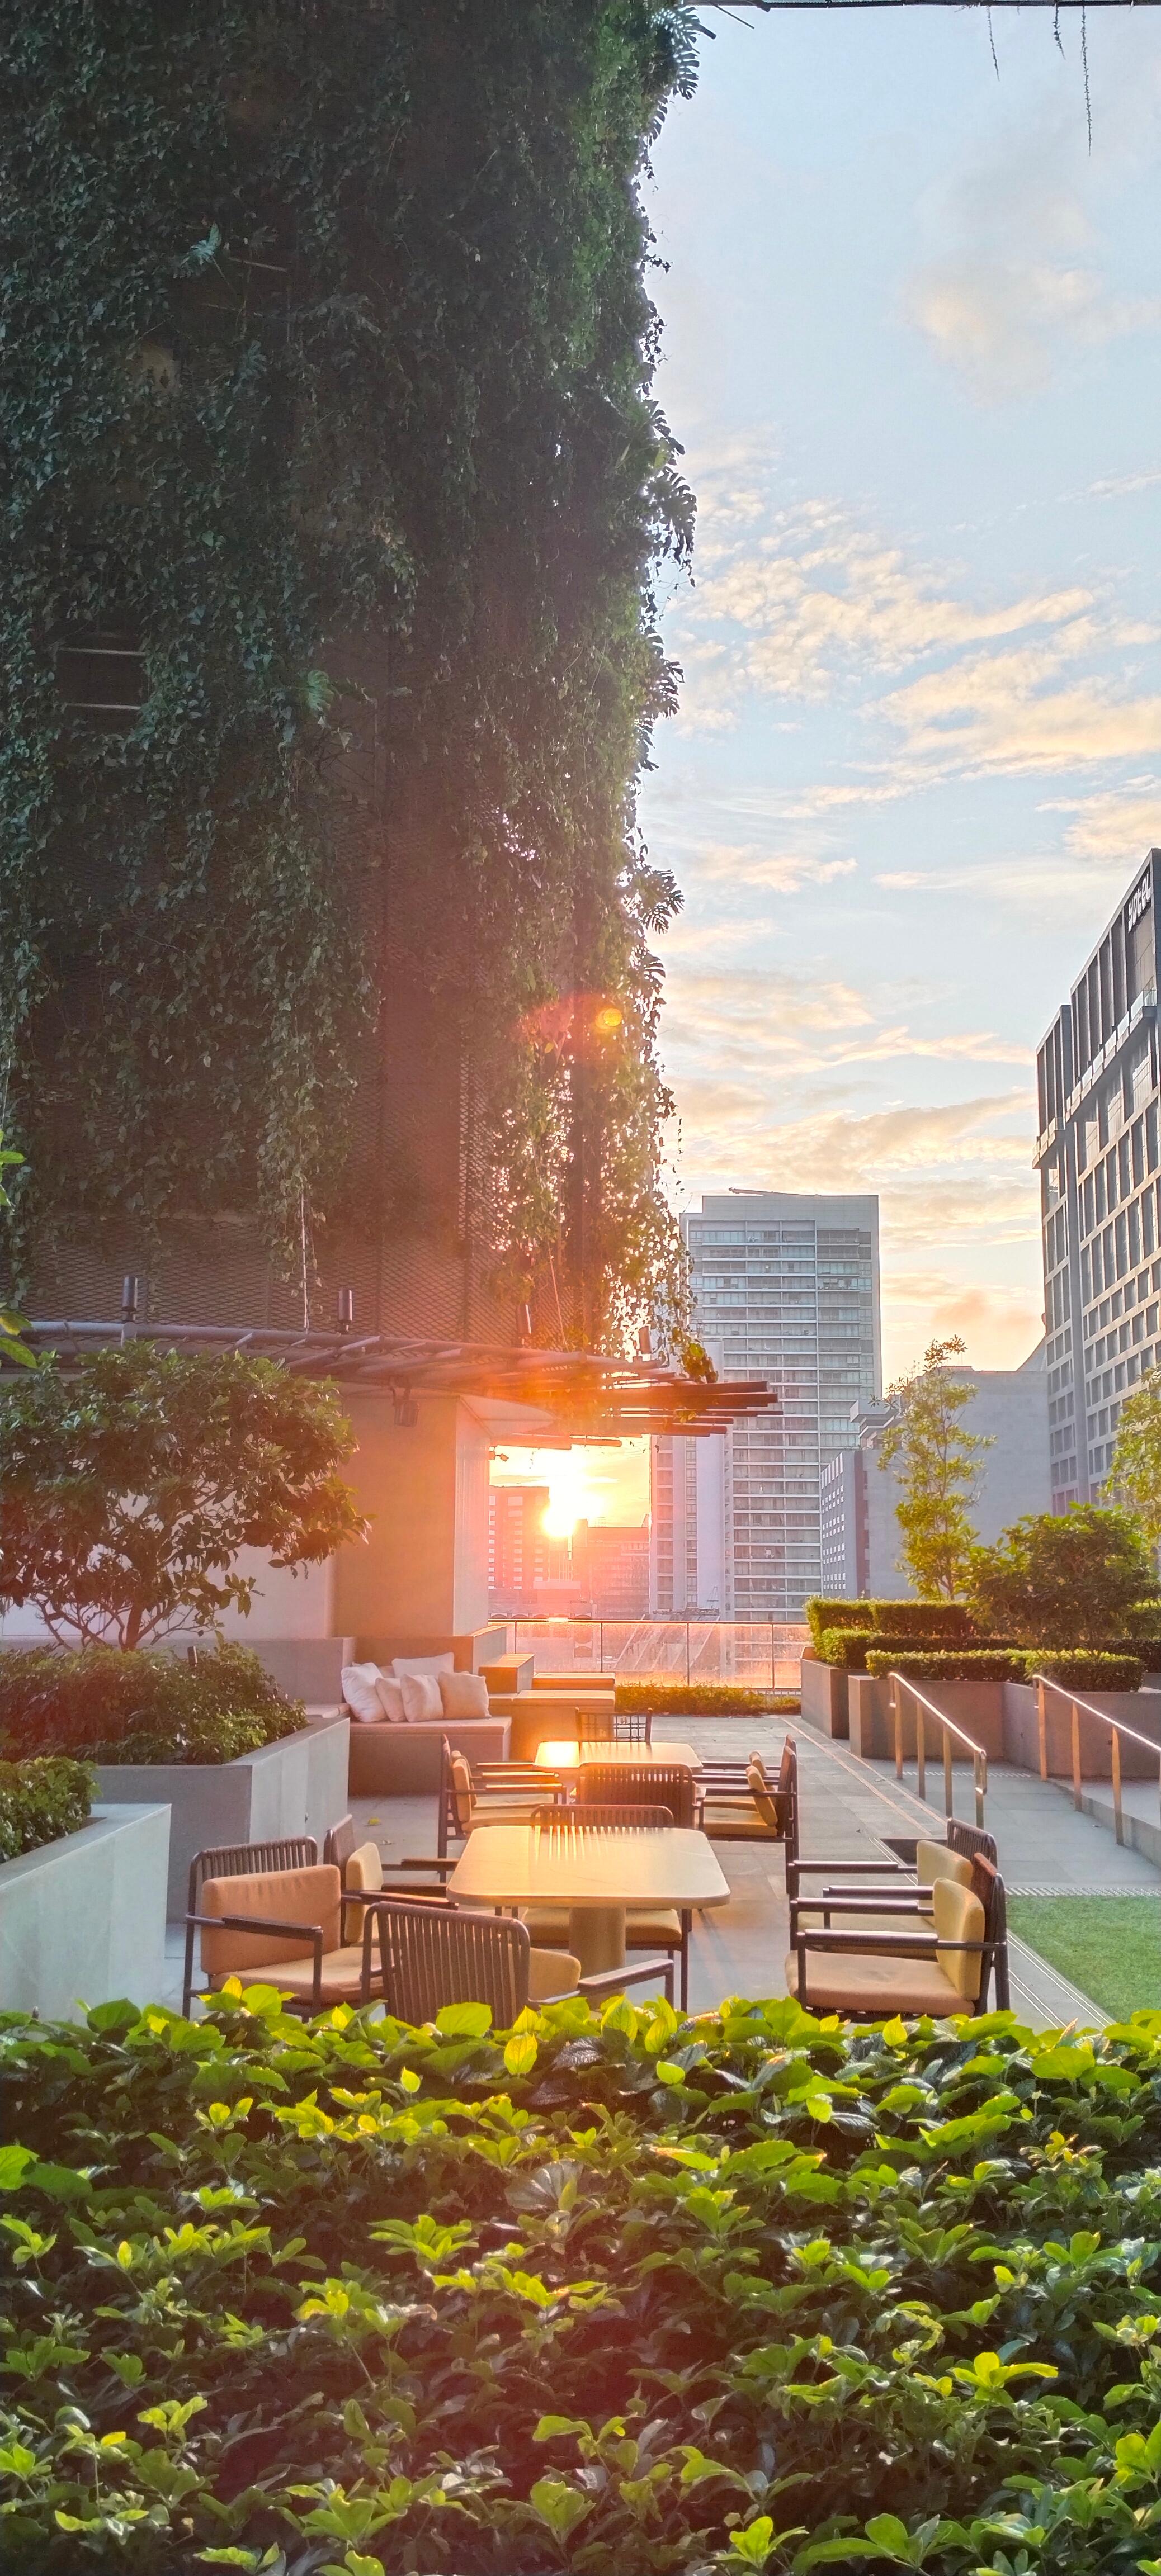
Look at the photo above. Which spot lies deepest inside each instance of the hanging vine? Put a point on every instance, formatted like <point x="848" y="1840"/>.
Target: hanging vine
<point x="325" y="327"/>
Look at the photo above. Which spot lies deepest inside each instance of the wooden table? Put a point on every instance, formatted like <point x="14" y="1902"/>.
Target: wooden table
<point x="568" y="1756"/>
<point x="595" y="1871"/>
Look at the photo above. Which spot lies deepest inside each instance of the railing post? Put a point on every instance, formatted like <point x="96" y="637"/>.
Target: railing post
<point x="1076" y="1758"/>
<point x="980" y="1769"/>
<point x="948" y="1789"/>
<point x="687" y="1654"/>
<point x="898" y="1724"/>
<point x="1118" y="1819"/>
<point x="920" y="1748"/>
<point x="1042" y="1727"/>
<point x="773" y="1678"/>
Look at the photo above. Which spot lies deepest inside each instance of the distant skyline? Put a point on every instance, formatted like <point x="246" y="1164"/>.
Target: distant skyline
<point x="913" y="350"/>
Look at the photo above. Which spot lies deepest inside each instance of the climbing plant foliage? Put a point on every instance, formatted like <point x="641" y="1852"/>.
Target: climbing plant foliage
<point x="327" y="353"/>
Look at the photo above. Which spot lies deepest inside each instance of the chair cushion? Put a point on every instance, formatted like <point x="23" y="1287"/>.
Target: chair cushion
<point x="959" y="1916"/>
<point x="463" y="1694"/>
<point x="364" y="1870"/>
<point x="306" y="1896"/>
<point x="761" y="1795"/>
<point x="551" y="1974"/>
<point x="342" y="1973"/>
<point x="874" y="1988"/>
<point x="731" y="1820"/>
<point x="651" y="1927"/>
<point x="421" y="1697"/>
<point x="935" y="1860"/>
<point x="358" y="1684"/>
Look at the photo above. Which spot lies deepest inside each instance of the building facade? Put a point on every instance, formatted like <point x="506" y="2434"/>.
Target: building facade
<point x="787" y="1287"/>
<point x="1097" y="1153"/>
<point x="861" y="1540"/>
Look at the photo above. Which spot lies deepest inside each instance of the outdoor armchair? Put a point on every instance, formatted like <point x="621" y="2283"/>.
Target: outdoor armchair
<point x="498" y="1793"/>
<point x="430" y="1957"/>
<point x="872" y="1974"/>
<point x="238" y="1860"/>
<point x="645" y="1784"/>
<point x="283" y="1927"/>
<point x="631" y="1726"/>
<point x="748" y="1806"/>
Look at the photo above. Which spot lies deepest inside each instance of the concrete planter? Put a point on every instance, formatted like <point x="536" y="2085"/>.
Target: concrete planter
<point x="1022" y="1734"/>
<point x="826" y="1698"/>
<point x="296" y="1786"/>
<point x="84" y="1918"/>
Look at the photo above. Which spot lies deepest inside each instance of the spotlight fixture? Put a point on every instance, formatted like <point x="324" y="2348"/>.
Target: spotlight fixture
<point x="346" y="1309"/>
<point x="406" y="1408"/>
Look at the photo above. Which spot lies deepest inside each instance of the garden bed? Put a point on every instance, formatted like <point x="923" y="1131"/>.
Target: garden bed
<point x="297" y="1785"/>
<point x="742" y="2292"/>
<point x="83" y="1916"/>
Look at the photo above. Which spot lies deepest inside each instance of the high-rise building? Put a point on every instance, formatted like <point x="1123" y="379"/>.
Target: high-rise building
<point x="861" y="1538"/>
<point x="611" y="1565"/>
<point x="785" y="1288"/>
<point x="1100" y="1200"/>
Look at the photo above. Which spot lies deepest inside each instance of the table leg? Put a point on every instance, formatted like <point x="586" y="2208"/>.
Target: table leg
<point x="596" y="1936"/>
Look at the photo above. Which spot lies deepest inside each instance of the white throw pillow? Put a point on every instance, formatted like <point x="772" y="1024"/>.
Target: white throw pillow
<point x="421" y="1699"/>
<point x="463" y="1694"/>
<point x="405" y="1664"/>
<point x="358" y="1687"/>
<point x="390" y="1697"/>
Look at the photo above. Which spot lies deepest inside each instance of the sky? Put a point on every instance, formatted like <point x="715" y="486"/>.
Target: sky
<point x="912" y="350"/>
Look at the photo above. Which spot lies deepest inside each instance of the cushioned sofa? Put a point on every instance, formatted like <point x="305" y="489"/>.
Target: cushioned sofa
<point x="396" y="1736"/>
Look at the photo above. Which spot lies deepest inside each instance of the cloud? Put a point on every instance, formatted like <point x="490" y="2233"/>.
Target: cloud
<point x="1001" y="713"/>
<point x="769" y="1022"/>
<point x="1117" y="825"/>
<point x="783" y="871"/>
<point x="818" y="596"/>
<point x="1001" y="1326"/>
<point x="1005" y="321"/>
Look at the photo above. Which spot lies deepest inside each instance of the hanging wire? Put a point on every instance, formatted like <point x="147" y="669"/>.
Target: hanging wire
<point x="992" y="42"/>
<point x="1084" y="60"/>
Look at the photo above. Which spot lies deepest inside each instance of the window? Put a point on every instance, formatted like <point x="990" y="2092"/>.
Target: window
<point x="101" y="677"/>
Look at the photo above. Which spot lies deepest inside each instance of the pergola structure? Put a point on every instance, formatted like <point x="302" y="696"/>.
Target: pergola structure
<point x="583" y="1396"/>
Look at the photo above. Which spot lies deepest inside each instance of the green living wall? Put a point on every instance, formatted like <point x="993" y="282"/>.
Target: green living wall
<point x="326" y="368"/>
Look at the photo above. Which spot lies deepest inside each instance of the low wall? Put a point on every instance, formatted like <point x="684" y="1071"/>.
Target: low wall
<point x="1137" y="1709"/>
<point x="976" y="1706"/>
<point x="404" y="1761"/>
<point x="825" y="1701"/>
<point x="83" y="1919"/>
<point x="296" y="1786"/>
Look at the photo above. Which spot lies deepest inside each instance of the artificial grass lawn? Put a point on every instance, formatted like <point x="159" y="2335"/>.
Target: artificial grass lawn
<point x="1109" y="1946"/>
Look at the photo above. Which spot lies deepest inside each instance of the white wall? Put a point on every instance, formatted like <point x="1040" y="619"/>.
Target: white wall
<point x="285" y="1604"/>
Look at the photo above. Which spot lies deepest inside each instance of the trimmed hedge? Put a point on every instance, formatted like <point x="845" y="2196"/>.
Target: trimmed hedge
<point x="850" y="1647"/>
<point x="949" y="1619"/>
<point x="696" y="1699"/>
<point x="106" y="1706"/>
<point x="1080" y="1671"/>
<point x="969" y="1664"/>
<point x="615" y="2297"/>
<point x="1083" y="1670"/>
<point x="40" y="1802"/>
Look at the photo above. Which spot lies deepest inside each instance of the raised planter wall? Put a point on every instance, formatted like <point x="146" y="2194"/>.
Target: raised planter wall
<point x="296" y="1786"/>
<point x="825" y="1700"/>
<point x="976" y="1706"/>
<point x="404" y="1761"/>
<point x="82" y="1920"/>
<point x="1022" y="1738"/>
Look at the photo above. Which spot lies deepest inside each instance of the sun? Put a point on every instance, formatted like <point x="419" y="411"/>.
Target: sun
<point x="568" y="1495"/>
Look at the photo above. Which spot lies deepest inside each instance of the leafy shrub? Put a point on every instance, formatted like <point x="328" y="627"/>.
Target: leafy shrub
<point x="380" y="2298"/>
<point x="1063" y="1578"/>
<point x="136" y="1707"/>
<point x="692" y="1699"/>
<point x="851" y="1647"/>
<point x="962" y="1664"/>
<point x="1101" y="1672"/>
<point x="823" y="1614"/>
<point x="40" y="1801"/>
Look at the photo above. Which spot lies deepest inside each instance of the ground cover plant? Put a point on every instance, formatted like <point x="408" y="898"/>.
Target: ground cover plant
<point x="110" y="1707"/>
<point x="746" y="2292"/>
<point x="699" y="1699"/>
<point x="1109" y="1946"/>
<point x="40" y="1802"/>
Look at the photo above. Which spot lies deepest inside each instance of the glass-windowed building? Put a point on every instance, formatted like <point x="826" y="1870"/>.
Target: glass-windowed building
<point x="1100" y="1192"/>
<point x="785" y="1288"/>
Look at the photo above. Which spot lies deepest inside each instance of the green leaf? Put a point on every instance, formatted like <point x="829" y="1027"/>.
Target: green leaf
<point x="520" y="2053"/>
<point x="464" y="2021"/>
<point x="14" y="2164"/>
<point x="560" y="2506"/>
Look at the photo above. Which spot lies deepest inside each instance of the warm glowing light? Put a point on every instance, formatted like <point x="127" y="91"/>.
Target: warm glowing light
<point x="607" y="1019"/>
<point x="568" y="1494"/>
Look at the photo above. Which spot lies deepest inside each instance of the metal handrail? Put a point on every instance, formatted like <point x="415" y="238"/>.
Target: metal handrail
<point x="926" y="1708"/>
<point x="1117" y="1727"/>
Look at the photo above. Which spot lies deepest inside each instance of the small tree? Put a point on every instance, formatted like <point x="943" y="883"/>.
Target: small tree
<point x="937" y="1464"/>
<point x="128" y="1485"/>
<point x="1062" y="1579"/>
<point x="1135" y="1478"/>
<point x="12" y="1326"/>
